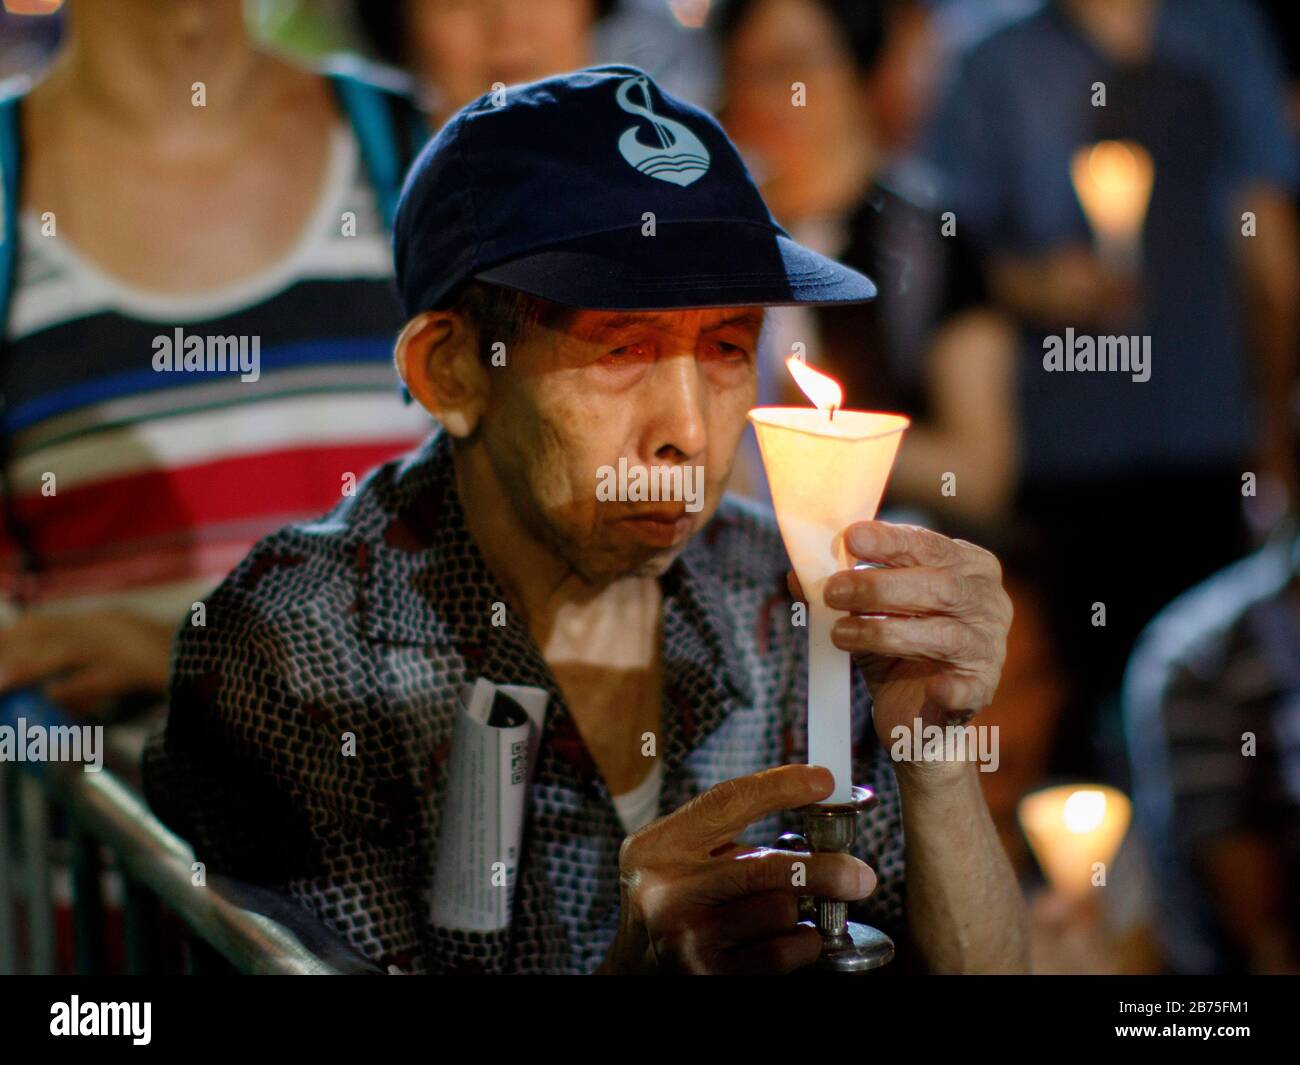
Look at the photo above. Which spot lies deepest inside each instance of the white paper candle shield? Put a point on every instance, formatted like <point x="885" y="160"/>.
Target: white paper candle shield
<point x="825" y="474"/>
<point x="1113" y="181"/>
<point x="1073" y="827"/>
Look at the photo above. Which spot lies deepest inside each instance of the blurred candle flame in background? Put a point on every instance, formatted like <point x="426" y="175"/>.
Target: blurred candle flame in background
<point x="1072" y="827"/>
<point x="1113" y="181"/>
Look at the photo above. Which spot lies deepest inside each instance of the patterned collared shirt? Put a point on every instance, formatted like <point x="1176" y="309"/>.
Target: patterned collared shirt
<point x="312" y="715"/>
<point x="1212" y="710"/>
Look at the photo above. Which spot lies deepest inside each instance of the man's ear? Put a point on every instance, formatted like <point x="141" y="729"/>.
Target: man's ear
<point x="437" y="357"/>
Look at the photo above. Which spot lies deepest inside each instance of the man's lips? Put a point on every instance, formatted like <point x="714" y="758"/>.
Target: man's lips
<point x="661" y="528"/>
<point x="655" y="514"/>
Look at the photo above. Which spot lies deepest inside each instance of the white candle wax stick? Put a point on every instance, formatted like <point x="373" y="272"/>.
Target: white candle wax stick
<point x="830" y="722"/>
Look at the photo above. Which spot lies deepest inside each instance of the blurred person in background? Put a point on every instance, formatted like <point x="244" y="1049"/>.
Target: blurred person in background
<point x="1197" y="84"/>
<point x="458" y="49"/>
<point x="181" y="186"/>
<point x="904" y="81"/>
<point x="928" y="346"/>
<point x="1109" y="930"/>
<point x="1106" y="932"/>
<point x="1281" y="15"/>
<point x="669" y="39"/>
<point x="1212" y="704"/>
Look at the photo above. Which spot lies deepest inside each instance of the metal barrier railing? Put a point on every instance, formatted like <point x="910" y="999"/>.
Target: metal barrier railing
<point x="231" y="926"/>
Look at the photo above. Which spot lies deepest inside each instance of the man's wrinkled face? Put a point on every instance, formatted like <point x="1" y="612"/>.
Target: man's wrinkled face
<point x="656" y="389"/>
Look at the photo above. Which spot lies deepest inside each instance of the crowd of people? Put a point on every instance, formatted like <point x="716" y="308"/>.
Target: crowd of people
<point x="1145" y="526"/>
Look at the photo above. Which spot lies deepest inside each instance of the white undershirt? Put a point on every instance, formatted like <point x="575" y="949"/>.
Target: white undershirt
<point x="638" y="807"/>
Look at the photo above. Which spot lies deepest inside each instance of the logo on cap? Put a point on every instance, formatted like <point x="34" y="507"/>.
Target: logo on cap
<point x="680" y="156"/>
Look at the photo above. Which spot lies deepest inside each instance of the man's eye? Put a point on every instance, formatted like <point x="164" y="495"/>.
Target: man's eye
<point x="722" y="349"/>
<point x="629" y="351"/>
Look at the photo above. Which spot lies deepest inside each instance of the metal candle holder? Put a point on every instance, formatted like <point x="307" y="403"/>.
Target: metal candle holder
<point x="847" y="946"/>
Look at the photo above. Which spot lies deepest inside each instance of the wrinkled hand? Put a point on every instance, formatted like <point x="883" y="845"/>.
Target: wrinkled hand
<point x="86" y="660"/>
<point x="929" y="631"/>
<point x="694" y="901"/>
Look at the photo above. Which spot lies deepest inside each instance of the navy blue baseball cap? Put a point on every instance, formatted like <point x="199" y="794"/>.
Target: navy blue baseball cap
<point x="555" y="190"/>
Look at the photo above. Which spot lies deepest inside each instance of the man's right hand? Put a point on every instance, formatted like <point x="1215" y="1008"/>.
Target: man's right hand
<point x="695" y="901"/>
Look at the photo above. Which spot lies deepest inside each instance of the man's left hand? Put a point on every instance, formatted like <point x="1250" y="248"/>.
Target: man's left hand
<point x="928" y="629"/>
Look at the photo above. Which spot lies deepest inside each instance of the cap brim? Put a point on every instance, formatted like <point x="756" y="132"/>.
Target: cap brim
<point x="685" y="264"/>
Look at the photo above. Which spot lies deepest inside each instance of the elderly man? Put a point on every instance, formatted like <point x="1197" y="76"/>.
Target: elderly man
<point x="584" y="262"/>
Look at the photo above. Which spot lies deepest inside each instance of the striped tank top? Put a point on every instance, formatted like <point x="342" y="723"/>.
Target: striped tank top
<point x="153" y="438"/>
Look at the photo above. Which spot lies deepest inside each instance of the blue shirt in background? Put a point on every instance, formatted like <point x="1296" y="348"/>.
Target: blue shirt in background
<point x="1208" y="105"/>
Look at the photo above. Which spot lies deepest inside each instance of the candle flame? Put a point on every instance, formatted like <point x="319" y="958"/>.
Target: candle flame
<point x="823" y="391"/>
<point x="1084" y="811"/>
<point x="1113" y="182"/>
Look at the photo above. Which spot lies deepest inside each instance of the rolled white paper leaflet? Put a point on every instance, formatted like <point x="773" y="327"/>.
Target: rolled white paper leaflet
<point x="825" y="474"/>
<point x="481" y="827"/>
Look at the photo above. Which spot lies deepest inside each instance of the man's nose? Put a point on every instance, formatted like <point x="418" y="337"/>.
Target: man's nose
<point x="677" y="427"/>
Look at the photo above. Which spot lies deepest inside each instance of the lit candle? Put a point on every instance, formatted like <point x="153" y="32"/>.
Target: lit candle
<point x="1113" y="181"/>
<point x="1071" y="828"/>
<point x="827" y="469"/>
